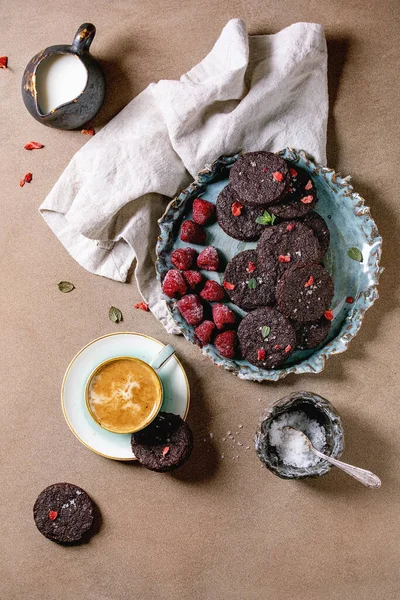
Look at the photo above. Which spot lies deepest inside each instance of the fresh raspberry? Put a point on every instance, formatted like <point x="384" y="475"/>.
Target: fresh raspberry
<point x="226" y="343"/>
<point x="193" y="278"/>
<point x="236" y="209"/>
<point x="174" y="285"/>
<point x="291" y="226"/>
<point x="212" y="291"/>
<point x="223" y="317"/>
<point x="192" y="233"/>
<point x="203" y="211"/>
<point x="251" y="267"/>
<point x="284" y="258"/>
<point x="182" y="258"/>
<point x="208" y="259"/>
<point x="229" y="286"/>
<point x="191" y="309"/>
<point x="204" y="332"/>
<point x="278" y="176"/>
<point x="307" y="199"/>
<point x="308" y="185"/>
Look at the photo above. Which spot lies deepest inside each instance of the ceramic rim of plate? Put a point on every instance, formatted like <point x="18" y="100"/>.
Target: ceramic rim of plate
<point x="80" y="352"/>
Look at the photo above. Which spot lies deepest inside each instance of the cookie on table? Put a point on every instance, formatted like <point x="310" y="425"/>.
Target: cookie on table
<point x="310" y="335"/>
<point x="304" y="292"/>
<point x="237" y="219"/>
<point x="165" y="444"/>
<point x="283" y="245"/>
<point x="266" y="338"/>
<point x="245" y="285"/>
<point x="320" y="229"/>
<point x="63" y="513"/>
<point x="260" y="178"/>
<point x="300" y="199"/>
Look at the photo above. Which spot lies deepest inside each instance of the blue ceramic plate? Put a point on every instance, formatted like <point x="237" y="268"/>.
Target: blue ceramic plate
<point x="350" y="225"/>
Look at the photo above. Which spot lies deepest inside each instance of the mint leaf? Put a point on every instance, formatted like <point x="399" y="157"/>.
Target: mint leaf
<point x="252" y="284"/>
<point x="266" y="219"/>
<point x="115" y="314"/>
<point x="265" y="331"/>
<point x="355" y="254"/>
<point x="65" y="287"/>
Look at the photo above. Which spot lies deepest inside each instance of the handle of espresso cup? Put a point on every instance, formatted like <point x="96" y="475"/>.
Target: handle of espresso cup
<point x="161" y="358"/>
<point x="84" y="37"/>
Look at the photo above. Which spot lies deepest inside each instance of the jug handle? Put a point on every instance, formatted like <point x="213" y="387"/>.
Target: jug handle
<point x="83" y="38"/>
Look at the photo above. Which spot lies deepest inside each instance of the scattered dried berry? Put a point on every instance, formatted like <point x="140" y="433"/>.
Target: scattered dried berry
<point x="192" y="233"/>
<point x="308" y="185"/>
<point x="237" y="209"/>
<point x="87" y="131"/>
<point x="193" y="278"/>
<point x="203" y="211"/>
<point x="191" y="309"/>
<point x="212" y="291"/>
<point x="174" y="285"/>
<point x="309" y="281"/>
<point x="291" y="226"/>
<point x="183" y="258"/>
<point x="33" y="146"/>
<point x="165" y="451"/>
<point x="229" y="286"/>
<point x="265" y="170"/>
<point x="277" y="347"/>
<point x="278" y="176"/>
<point x="251" y="267"/>
<point x="349" y="299"/>
<point x="223" y="317"/>
<point x="208" y="259"/>
<point x="307" y="199"/>
<point x="3" y="62"/>
<point x="142" y="306"/>
<point x="204" y="332"/>
<point x="21" y="182"/>
<point x="53" y="514"/>
<point x="28" y="177"/>
<point x="226" y="343"/>
<point x="293" y="172"/>
<point x="261" y="354"/>
<point x="288" y="348"/>
<point x="284" y="258"/>
<point x="328" y="314"/>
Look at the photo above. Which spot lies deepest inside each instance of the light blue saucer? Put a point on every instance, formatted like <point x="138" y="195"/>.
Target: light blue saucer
<point x="350" y="225"/>
<point x="116" y="445"/>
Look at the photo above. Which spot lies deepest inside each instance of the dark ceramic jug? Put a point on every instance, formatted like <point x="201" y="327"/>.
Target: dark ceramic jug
<point x="75" y="112"/>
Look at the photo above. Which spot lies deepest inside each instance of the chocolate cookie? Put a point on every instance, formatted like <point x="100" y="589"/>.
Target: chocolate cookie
<point x="266" y="338"/>
<point x="300" y="199"/>
<point x="237" y="219"/>
<point x="320" y="229"/>
<point x="165" y="444"/>
<point x="63" y="513"/>
<point x="260" y="178"/>
<point x="283" y="245"/>
<point x="245" y="285"/>
<point x="304" y="292"/>
<point x="310" y="335"/>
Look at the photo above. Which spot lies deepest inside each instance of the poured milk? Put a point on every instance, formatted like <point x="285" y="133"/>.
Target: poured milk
<point x="124" y="395"/>
<point x="59" y="79"/>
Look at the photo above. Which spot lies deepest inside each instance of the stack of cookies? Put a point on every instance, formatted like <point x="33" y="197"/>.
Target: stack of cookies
<point x="281" y="284"/>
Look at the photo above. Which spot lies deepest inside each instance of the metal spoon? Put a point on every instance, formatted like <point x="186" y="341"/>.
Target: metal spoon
<point x="362" y="475"/>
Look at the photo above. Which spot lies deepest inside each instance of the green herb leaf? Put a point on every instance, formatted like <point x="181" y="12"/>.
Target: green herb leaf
<point x="252" y="284"/>
<point x="65" y="287"/>
<point x="266" y="219"/>
<point x="115" y="314"/>
<point x="265" y="331"/>
<point x="355" y="254"/>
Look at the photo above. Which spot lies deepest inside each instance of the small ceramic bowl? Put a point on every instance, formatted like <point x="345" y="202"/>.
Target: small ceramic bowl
<point x="315" y="407"/>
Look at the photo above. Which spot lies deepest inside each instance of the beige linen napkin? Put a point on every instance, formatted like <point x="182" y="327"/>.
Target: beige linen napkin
<point x="249" y="93"/>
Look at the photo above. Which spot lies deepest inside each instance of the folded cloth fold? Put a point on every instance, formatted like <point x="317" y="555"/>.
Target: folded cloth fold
<point x="261" y="92"/>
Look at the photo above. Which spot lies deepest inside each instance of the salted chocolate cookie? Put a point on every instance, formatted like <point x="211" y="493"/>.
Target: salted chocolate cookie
<point x="165" y="444"/>
<point x="260" y="178"/>
<point x="245" y="285"/>
<point x="304" y="292"/>
<point x="266" y="338"/>
<point x="283" y="245"/>
<point x="300" y="198"/>
<point x="237" y="219"/>
<point x="63" y="513"/>
<point x="310" y="335"/>
<point x="320" y="229"/>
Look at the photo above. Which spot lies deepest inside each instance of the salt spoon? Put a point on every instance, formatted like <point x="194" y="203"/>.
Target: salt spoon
<point x="365" y="477"/>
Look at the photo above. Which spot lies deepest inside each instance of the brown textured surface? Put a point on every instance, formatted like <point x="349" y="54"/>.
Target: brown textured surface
<point x="217" y="528"/>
